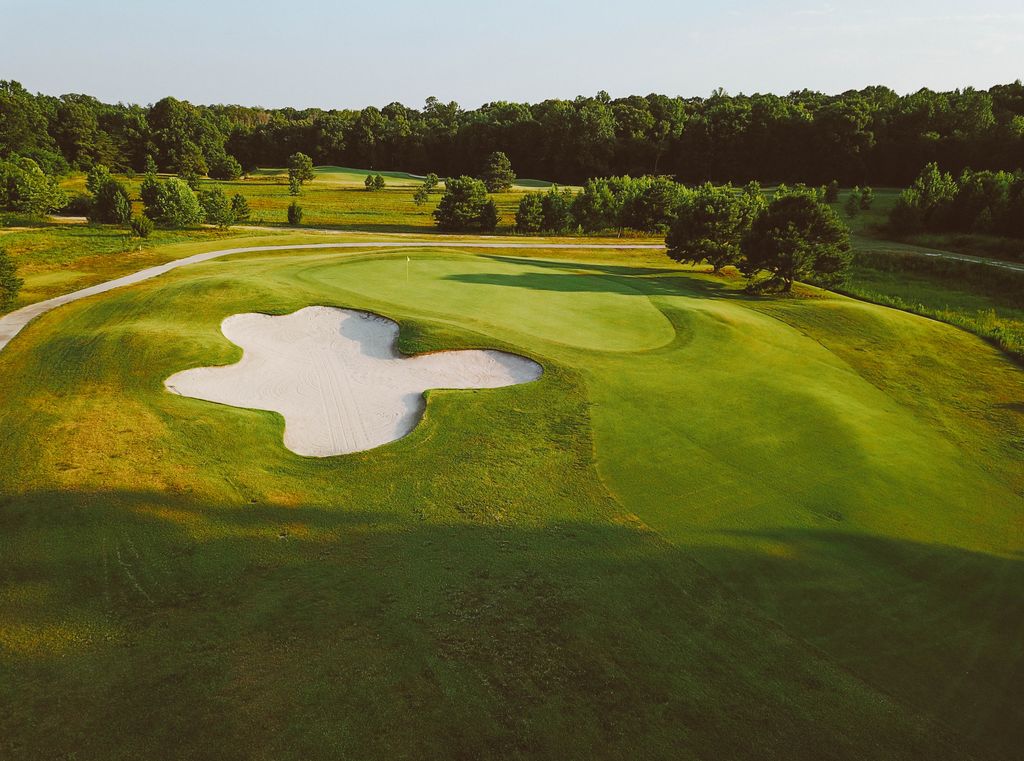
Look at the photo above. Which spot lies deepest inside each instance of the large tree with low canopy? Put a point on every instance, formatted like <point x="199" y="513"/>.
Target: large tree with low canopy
<point x="797" y="237"/>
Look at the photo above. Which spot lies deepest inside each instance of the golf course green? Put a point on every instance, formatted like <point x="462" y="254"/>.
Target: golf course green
<point x="719" y="526"/>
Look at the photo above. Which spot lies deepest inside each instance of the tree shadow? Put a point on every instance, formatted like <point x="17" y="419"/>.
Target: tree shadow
<point x="238" y="630"/>
<point x="643" y="283"/>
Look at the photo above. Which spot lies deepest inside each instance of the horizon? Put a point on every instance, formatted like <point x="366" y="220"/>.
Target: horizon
<point x="228" y="54"/>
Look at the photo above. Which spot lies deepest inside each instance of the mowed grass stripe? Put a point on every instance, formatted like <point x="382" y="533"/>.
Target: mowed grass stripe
<point x="693" y="537"/>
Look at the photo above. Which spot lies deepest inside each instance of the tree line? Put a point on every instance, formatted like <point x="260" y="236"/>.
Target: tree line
<point x="872" y="135"/>
<point x="977" y="201"/>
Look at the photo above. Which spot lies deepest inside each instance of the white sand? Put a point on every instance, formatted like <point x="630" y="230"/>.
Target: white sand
<point x="337" y="379"/>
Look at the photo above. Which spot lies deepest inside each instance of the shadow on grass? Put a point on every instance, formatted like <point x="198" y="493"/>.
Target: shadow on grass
<point x="151" y="620"/>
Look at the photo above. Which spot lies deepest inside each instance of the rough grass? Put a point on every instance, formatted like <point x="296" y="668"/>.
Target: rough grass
<point x="718" y="527"/>
<point x="983" y="300"/>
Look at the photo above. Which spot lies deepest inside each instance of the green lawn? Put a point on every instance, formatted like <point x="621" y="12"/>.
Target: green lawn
<point x="719" y="526"/>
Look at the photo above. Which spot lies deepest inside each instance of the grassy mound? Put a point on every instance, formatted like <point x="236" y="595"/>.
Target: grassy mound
<point x="718" y="527"/>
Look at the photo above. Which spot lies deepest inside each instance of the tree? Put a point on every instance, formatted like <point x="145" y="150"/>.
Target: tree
<point x="530" y="215"/>
<point x="798" y="237"/>
<point x="498" y="175"/>
<point x="294" y="186"/>
<point x="926" y="203"/>
<point x="853" y="202"/>
<point x="867" y="197"/>
<point x="190" y="164"/>
<point x="489" y="216"/>
<point x="368" y="182"/>
<point x="175" y="205"/>
<point x="97" y="177"/>
<point x="832" y="192"/>
<point x="216" y="207"/>
<point x="294" y="213"/>
<point x="111" y="204"/>
<point x="378" y="182"/>
<point x="463" y="206"/>
<point x="25" y="188"/>
<point x="599" y="206"/>
<point x="149" y="190"/>
<point x="10" y="283"/>
<point x="240" y="208"/>
<point x="150" y="166"/>
<point x="225" y="167"/>
<point x="300" y="167"/>
<point x="711" y="224"/>
<point x="556" y="210"/>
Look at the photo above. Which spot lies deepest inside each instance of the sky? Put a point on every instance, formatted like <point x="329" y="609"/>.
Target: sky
<point x="350" y="54"/>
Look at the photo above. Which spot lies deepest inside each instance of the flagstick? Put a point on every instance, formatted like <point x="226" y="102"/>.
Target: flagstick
<point x="407" y="269"/>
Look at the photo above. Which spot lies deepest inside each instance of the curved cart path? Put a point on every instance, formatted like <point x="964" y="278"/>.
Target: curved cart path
<point x="11" y="324"/>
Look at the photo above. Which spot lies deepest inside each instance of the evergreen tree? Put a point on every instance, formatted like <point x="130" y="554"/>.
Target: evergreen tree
<point x="240" y="208"/>
<point x="10" y="283"/>
<point x="463" y="206"/>
<point x="498" y="175"/>
<point x="111" y="204"/>
<point x="530" y="215"/>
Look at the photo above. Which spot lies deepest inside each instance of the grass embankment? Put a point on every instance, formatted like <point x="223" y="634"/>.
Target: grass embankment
<point x="986" y="301"/>
<point x="718" y="527"/>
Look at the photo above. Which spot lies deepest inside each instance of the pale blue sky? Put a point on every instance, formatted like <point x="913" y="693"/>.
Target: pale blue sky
<point x="351" y="54"/>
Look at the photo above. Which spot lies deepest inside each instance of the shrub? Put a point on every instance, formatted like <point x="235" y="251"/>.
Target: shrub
<point x="225" y="167"/>
<point x="216" y="207"/>
<point x="422" y="194"/>
<point x="111" y="204"/>
<point x="240" y="208"/>
<point x="79" y="205"/>
<point x="463" y="205"/>
<point x="853" y="202"/>
<point x="150" y="189"/>
<point x="832" y="192"/>
<point x="530" y="215"/>
<point x="294" y="213"/>
<point x="599" y="206"/>
<point x="489" y="217"/>
<point x="97" y="177"/>
<point x="141" y="226"/>
<point x="556" y="211"/>
<point x="25" y="188"/>
<point x="10" y="283"/>
<point x="498" y="175"/>
<point x="300" y="169"/>
<point x="176" y="205"/>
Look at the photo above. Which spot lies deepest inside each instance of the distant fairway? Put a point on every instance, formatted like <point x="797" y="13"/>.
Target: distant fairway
<point x="347" y="176"/>
<point x="719" y="526"/>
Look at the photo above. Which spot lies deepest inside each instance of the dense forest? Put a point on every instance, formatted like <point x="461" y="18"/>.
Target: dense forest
<point x="868" y="136"/>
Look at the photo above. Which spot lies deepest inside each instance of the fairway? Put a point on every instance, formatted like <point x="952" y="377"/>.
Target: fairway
<point x="715" y="523"/>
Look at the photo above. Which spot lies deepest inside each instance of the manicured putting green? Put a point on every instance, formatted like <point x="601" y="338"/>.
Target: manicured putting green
<point x="717" y="527"/>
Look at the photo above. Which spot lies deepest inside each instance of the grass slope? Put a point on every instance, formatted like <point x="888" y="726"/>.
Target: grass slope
<point x="718" y="527"/>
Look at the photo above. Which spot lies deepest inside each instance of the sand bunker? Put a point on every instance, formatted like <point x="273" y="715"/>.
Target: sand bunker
<point x="337" y="379"/>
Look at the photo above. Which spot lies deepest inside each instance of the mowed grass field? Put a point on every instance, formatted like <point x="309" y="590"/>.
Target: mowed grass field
<point x="719" y="526"/>
<point x="337" y="199"/>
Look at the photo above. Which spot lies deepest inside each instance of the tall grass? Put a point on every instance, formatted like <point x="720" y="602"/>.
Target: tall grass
<point x="982" y="300"/>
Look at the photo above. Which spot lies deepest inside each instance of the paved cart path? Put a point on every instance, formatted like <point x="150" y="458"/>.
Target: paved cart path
<point x="11" y="324"/>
